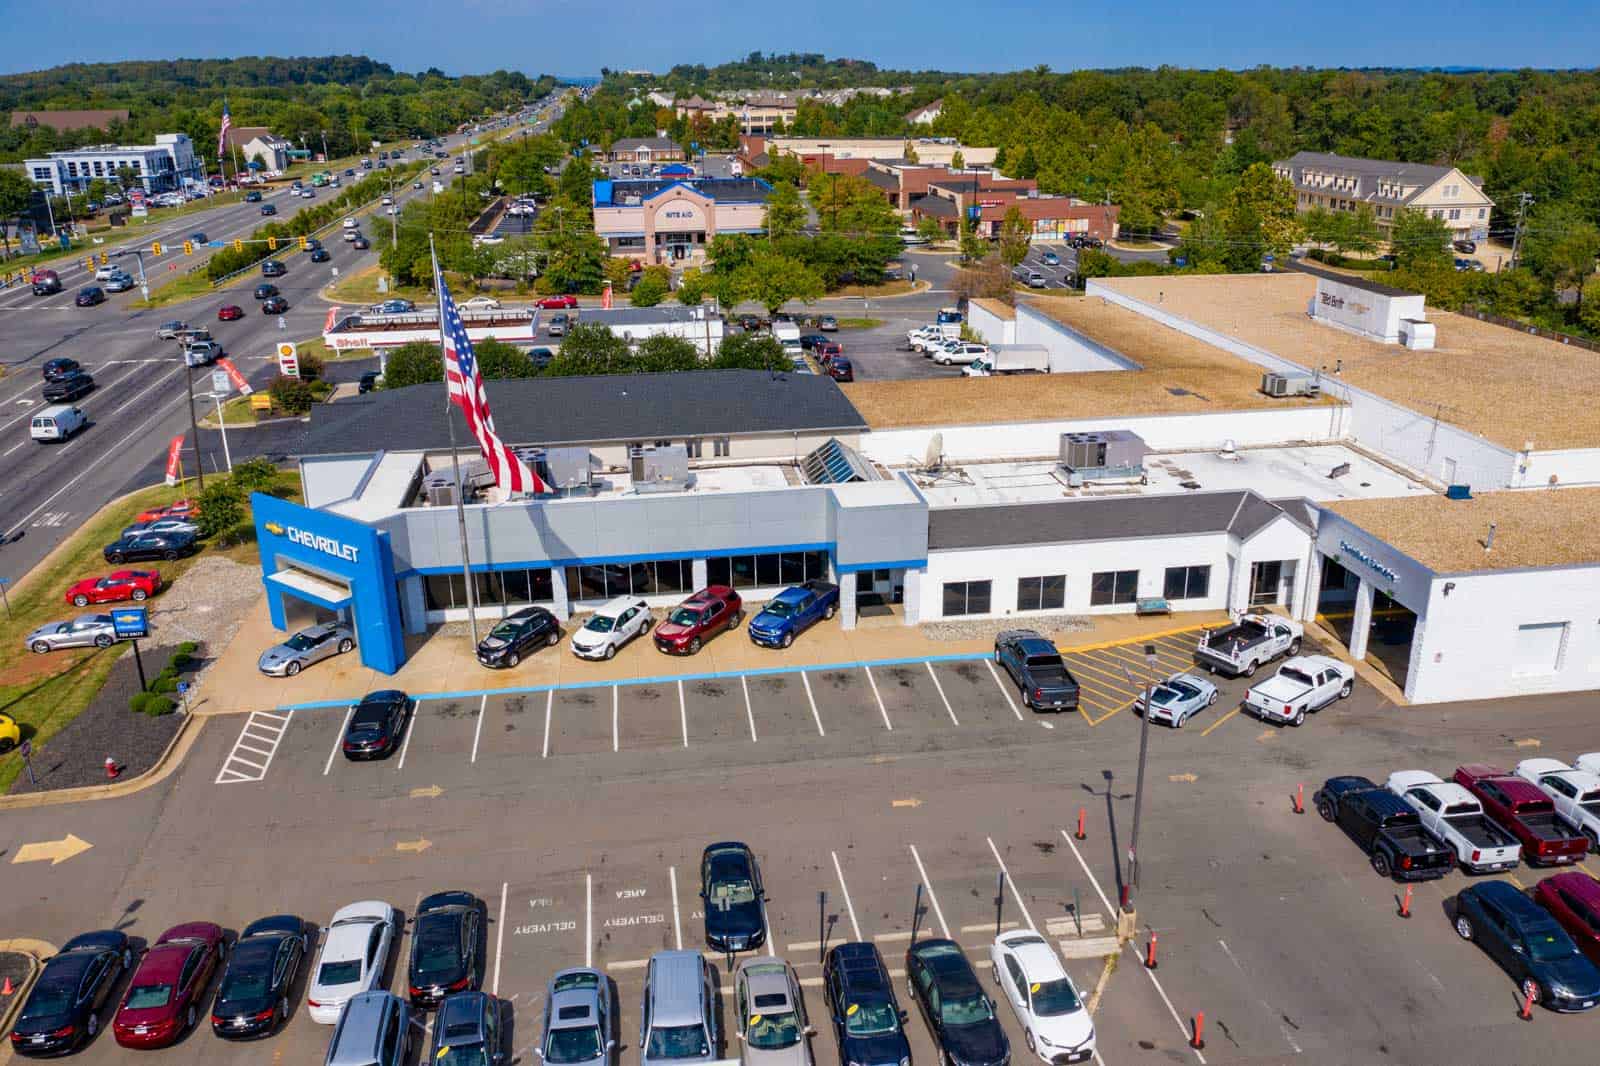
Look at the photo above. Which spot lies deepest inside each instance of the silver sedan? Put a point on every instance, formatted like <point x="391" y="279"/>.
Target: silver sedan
<point x="1177" y="699"/>
<point x="310" y="645"/>
<point x="85" y="631"/>
<point x="772" y="1016"/>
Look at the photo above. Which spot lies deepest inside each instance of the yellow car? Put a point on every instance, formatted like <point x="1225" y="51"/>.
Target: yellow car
<point x="10" y="733"/>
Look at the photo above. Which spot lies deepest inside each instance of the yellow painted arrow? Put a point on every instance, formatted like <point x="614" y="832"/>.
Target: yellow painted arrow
<point x="1266" y="735"/>
<point x="1528" y="742"/>
<point x="1191" y="778"/>
<point x="56" y="851"/>
<point x="912" y="802"/>
<point x="418" y="846"/>
<point x="431" y="792"/>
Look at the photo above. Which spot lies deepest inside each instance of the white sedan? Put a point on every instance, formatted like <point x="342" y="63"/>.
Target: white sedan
<point x="353" y="958"/>
<point x="1055" y="1025"/>
<point x="610" y="627"/>
<point x="480" y="303"/>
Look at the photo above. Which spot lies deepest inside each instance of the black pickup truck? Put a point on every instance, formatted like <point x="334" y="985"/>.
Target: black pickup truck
<point x="1036" y="667"/>
<point x="1385" y="827"/>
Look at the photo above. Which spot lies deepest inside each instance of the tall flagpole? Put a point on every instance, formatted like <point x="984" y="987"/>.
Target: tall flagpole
<point x="455" y="461"/>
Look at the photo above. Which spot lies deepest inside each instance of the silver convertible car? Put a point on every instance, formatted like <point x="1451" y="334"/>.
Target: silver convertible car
<point x="1177" y="699"/>
<point x="311" y="645"/>
<point x="86" y="630"/>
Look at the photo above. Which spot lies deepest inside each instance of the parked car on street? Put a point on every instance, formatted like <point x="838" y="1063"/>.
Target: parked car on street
<point x="167" y="992"/>
<point x="1177" y="699"/>
<point x="958" y="1012"/>
<point x="447" y="936"/>
<point x="1242" y="648"/>
<point x="827" y="323"/>
<point x="63" y="1009"/>
<point x="1385" y="828"/>
<point x="579" y="1018"/>
<point x="1526" y="813"/>
<point x="168" y="546"/>
<point x="258" y="986"/>
<point x="773" y="1028"/>
<point x="115" y="587"/>
<point x="377" y="725"/>
<point x="1037" y="669"/>
<point x="733" y="898"/>
<point x="792" y="612"/>
<point x="611" y="626"/>
<point x="1573" y="899"/>
<point x="809" y="341"/>
<point x="355" y="953"/>
<point x="1304" y="684"/>
<point x="518" y="634"/>
<point x="1529" y="944"/>
<point x="1055" y="1025"/>
<point x="307" y="647"/>
<point x="1576" y="793"/>
<point x="697" y="619"/>
<point x="1455" y="816"/>
<point x="557" y="326"/>
<point x="841" y="369"/>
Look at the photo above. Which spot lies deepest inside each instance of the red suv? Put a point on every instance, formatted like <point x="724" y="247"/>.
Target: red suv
<point x="555" y="302"/>
<point x="1574" y="899"/>
<point x="826" y="350"/>
<point x="697" y="619"/>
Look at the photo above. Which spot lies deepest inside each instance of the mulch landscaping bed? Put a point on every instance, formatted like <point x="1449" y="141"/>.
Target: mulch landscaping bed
<point x="77" y="755"/>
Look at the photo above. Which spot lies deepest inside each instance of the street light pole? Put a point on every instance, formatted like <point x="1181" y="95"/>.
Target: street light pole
<point x="1138" y="788"/>
<point x="194" y="423"/>
<point x="223" y="426"/>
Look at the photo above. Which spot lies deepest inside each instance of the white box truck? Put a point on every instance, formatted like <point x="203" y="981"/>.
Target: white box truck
<point x="1010" y="359"/>
<point x="788" y="335"/>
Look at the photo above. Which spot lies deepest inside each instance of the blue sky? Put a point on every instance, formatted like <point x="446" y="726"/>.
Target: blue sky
<point x="581" y="36"/>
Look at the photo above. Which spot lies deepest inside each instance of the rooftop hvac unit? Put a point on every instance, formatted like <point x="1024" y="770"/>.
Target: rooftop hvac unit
<point x="1112" y="455"/>
<point x="659" y="468"/>
<point x="563" y="469"/>
<point x="440" y="486"/>
<point x="1290" y="384"/>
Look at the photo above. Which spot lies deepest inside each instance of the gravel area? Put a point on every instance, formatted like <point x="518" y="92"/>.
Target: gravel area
<point x="206" y="605"/>
<point x="77" y="755"/>
<point x="975" y="628"/>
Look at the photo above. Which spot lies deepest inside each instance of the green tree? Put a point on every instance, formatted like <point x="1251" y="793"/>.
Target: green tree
<point x="413" y="364"/>
<point x="750" y="351"/>
<point x="15" y="192"/>
<point x="1418" y="240"/>
<point x="1261" y="212"/>
<point x="497" y="359"/>
<point x="958" y="161"/>
<point x="253" y="475"/>
<point x="786" y="215"/>
<point x="574" y="259"/>
<point x="664" y="353"/>
<point x="772" y="280"/>
<point x="1028" y="165"/>
<point x="1354" y="231"/>
<point x="1589" y="307"/>
<point x="591" y="348"/>
<point x="1015" y="236"/>
<point x="651" y="288"/>
<point x="1561" y="246"/>
<point x="909" y="153"/>
<point x="221" y="508"/>
<point x="929" y="229"/>
<point x="691" y="287"/>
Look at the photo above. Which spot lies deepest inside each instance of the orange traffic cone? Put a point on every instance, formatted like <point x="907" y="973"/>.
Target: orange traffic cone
<point x="7" y="989"/>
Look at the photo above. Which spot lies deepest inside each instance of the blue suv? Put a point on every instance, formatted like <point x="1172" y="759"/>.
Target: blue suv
<point x="792" y="612"/>
<point x="868" y="1023"/>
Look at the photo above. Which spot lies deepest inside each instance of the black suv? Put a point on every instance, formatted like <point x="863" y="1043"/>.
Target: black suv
<point x="516" y="635"/>
<point x="960" y="1015"/>
<point x="266" y="291"/>
<point x="60" y="367"/>
<point x="68" y="386"/>
<point x="868" y="1023"/>
<point x="271" y="268"/>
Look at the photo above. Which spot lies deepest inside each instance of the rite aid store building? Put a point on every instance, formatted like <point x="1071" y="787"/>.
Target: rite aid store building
<point x="673" y="219"/>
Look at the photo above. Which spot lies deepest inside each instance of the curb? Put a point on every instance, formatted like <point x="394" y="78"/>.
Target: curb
<point x="38" y="567"/>
<point x="169" y="761"/>
<point x="36" y="950"/>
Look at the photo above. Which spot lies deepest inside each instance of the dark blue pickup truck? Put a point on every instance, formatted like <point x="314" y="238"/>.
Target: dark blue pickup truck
<point x="1037" y="670"/>
<point x="792" y="612"/>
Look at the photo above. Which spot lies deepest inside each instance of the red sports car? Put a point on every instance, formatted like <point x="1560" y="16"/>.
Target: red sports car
<point x="115" y="587"/>
<point x="177" y="509"/>
<point x="167" y="993"/>
<point x="558" y="302"/>
<point x="697" y="619"/>
<point x="229" y="313"/>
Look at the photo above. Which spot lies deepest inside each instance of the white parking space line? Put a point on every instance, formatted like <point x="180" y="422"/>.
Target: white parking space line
<point x="588" y="919"/>
<point x="411" y="728"/>
<point x="942" y="698"/>
<point x="1110" y="910"/>
<point x="677" y="916"/>
<point x="483" y="706"/>
<point x="748" y="711"/>
<point x="683" y="715"/>
<point x="499" y="938"/>
<point x="339" y="737"/>
<point x="937" y="910"/>
<point x="1001" y="686"/>
<point x="616" y="715"/>
<point x="881" y="708"/>
<point x="1012" y="884"/>
<point x="16" y="446"/>
<point x="812" y="700"/>
<point x="766" y="927"/>
<point x="855" y="926"/>
<point x="549" y="702"/>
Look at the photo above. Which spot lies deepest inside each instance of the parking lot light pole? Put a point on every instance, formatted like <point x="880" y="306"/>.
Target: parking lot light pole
<point x="222" y="425"/>
<point x="194" y="423"/>
<point x="1138" y="788"/>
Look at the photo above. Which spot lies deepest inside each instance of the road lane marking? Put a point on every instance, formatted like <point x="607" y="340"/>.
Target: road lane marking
<point x="677" y="916"/>
<point x="1207" y="730"/>
<point x="992" y="673"/>
<point x="683" y="714"/>
<point x="411" y="729"/>
<point x="881" y="708"/>
<point x="16" y="446"/>
<point x="483" y="706"/>
<point x="499" y="938"/>
<point x="812" y="700"/>
<point x="339" y="738"/>
<point x="1007" y="875"/>
<point x="937" y="910"/>
<point x="615" y="715"/>
<point x="549" y="701"/>
<point x="748" y="711"/>
<point x="855" y="926"/>
<point x="588" y="920"/>
<point x="942" y="699"/>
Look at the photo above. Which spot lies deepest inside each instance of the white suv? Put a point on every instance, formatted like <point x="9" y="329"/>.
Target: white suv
<point x="612" y="626"/>
<point x="951" y="352"/>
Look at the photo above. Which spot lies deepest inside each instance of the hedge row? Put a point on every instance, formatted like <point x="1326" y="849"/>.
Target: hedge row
<point x="158" y="700"/>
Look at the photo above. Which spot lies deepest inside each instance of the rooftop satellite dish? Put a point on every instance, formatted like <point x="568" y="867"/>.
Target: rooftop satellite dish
<point x="933" y="459"/>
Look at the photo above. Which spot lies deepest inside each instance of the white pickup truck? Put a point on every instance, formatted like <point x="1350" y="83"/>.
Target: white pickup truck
<point x="1305" y="683"/>
<point x="1576" y="793"/>
<point x="1455" y="816"/>
<point x="1250" y="643"/>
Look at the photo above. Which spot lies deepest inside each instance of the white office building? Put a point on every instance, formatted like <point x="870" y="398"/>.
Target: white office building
<point x="167" y="165"/>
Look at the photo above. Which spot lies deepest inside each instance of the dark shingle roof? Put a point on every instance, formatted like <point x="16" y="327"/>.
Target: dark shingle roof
<point x="1242" y="513"/>
<point x="581" y="410"/>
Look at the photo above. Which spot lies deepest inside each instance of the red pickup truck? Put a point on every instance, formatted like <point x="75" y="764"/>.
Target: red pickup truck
<point x="1526" y="813"/>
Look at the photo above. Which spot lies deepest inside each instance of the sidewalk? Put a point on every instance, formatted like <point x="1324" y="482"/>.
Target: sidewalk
<point x="441" y="663"/>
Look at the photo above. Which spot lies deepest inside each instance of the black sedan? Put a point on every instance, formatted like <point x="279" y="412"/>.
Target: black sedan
<point x="62" y="1012"/>
<point x="253" y="996"/>
<point x="274" y="305"/>
<point x="377" y="725"/>
<point x="1529" y="944"/>
<point x="733" y="898"/>
<point x="166" y="546"/>
<point x="516" y="635"/>
<point x="959" y="1014"/>
<point x="320" y="255"/>
<point x="446" y="956"/>
<point x="90" y="295"/>
<point x="360" y="244"/>
<point x="265" y="289"/>
<point x="271" y="268"/>
<point x="268" y="209"/>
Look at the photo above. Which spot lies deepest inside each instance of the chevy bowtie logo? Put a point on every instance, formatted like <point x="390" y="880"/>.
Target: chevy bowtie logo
<point x="275" y="529"/>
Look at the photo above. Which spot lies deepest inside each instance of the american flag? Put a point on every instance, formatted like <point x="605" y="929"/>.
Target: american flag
<point x="466" y="392"/>
<point x="222" y="135"/>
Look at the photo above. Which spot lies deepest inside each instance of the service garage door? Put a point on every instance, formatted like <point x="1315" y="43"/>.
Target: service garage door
<point x="1538" y="648"/>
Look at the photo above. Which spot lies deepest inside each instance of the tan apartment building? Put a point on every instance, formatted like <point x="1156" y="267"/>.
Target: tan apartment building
<point x="1344" y="183"/>
<point x="934" y="151"/>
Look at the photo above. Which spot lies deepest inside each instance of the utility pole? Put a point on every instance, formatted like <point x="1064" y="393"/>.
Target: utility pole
<point x="1524" y="201"/>
<point x="1138" y="788"/>
<point x="194" y="423"/>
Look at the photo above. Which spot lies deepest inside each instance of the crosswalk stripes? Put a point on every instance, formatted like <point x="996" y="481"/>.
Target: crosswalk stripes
<point x="253" y="751"/>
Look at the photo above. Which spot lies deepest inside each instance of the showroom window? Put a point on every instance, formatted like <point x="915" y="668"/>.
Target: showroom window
<point x="443" y="592"/>
<point x="1113" y="586"/>
<point x="663" y="577"/>
<point x="1187" y="583"/>
<point x="966" y="597"/>
<point x="769" y="569"/>
<point x="1046" y="593"/>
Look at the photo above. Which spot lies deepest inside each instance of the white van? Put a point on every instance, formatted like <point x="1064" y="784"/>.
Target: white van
<point x="56" y="423"/>
<point x="788" y="335"/>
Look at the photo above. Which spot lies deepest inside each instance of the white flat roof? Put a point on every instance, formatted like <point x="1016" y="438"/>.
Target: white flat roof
<point x="385" y="488"/>
<point x="1276" y="473"/>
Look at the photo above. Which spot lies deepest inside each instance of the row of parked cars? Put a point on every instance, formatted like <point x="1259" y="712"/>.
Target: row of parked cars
<point x="1545" y="813"/>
